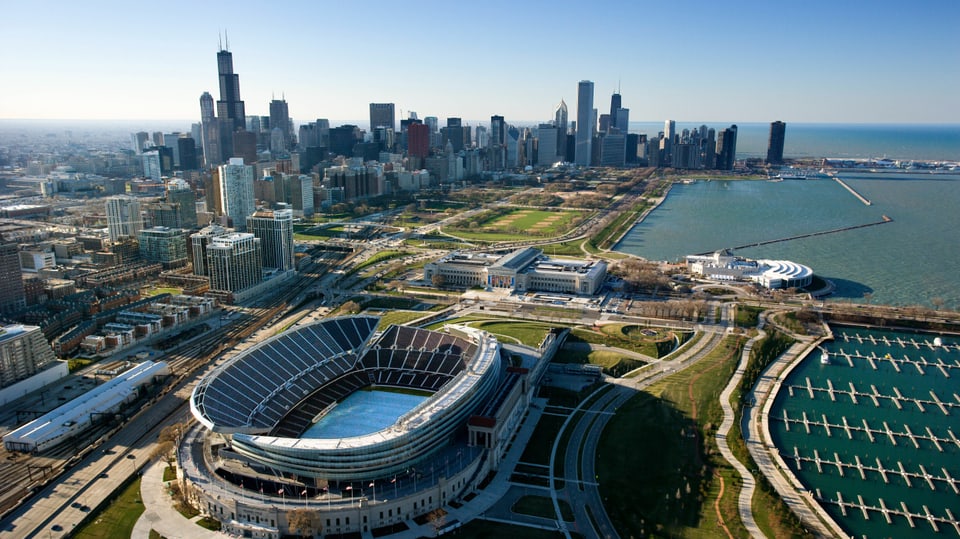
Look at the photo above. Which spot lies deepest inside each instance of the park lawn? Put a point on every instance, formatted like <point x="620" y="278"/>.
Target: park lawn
<point x="398" y="317"/>
<point x="528" y="333"/>
<point x="165" y="290"/>
<point x="117" y="518"/>
<point x="542" y="506"/>
<point x="540" y="447"/>
<point x="517" y="225"/>
<point x="655" y="437"/>
<point x="747" y="316"/>
<point x="567" y="248"/>
<point x="599" y="337"/>
<point x="613" y="363"/>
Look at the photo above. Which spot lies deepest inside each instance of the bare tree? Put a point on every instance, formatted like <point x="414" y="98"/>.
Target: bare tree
<point x="303" y="522"/>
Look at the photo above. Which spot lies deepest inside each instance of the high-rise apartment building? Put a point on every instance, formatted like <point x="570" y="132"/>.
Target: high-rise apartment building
<point x="12" y="295"/>
<point x="274" y="228"/>
<point x="200" y="241"/>
<point x="24" y="351"/>
<point x="727" y="148"/>
<point x="182" y="196"/>
<point x="585" y="123"/>
<point x="778" y="131"/>
<point x="138" y="140"/>
<point x="235" y="262"/>
<point x="231" y="115"/>
<point x="123" y="217"/>
<point x="382" y="115"/>
<point x="188" y="153"/>
<point x="164" y="245"/>
<point x="236" y="192"/>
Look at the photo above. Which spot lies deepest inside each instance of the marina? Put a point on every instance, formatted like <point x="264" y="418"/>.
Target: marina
<point x="872" y="432"/>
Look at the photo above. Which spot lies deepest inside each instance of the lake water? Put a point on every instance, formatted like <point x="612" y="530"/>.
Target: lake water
<point x="911" y="260"/>
<point x="908" y="375"/>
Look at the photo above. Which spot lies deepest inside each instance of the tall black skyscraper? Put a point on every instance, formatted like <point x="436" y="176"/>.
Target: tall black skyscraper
<point x="280" y="119"/>
<point x="778" y="131"/>
<point x="230" y="112"/>
<point x="727" y="148"/>
<point x="614" y="106"/>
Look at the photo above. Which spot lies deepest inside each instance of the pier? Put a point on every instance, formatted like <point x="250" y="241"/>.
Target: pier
<point x="853" y="192"/>
<point x="885" y="219"/>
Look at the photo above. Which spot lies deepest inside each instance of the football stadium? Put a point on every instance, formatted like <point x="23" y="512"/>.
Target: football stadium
<point x="363" y="429"/>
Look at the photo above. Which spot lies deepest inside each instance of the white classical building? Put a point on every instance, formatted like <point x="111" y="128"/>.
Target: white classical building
<point x="523" y="270"/>
<point x="724" y="266"/>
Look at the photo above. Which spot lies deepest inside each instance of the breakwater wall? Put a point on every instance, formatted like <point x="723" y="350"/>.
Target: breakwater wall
<point x="808" y="235"/>
<point x="854" y="192"/>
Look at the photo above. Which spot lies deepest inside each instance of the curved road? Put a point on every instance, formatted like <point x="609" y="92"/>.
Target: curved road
<point x="579" y="464"/>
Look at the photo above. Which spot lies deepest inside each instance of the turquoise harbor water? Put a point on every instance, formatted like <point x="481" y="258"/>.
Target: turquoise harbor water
<point x="915" y="441"/>
<point x="910" y="261"/>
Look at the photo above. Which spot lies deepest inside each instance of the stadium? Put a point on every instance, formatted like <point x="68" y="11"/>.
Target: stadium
<point x="363" y="429"/>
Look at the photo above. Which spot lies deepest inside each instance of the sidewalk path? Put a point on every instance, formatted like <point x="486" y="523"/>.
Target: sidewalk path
<point x="159" y="513"/>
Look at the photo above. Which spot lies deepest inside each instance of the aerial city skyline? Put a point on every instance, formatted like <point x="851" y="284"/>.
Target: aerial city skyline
<point x="678" y="68"/>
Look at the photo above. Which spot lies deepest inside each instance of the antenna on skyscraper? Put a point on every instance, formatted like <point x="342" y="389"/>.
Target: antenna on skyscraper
<point x="226" y="39"/>
<point x="219" y="41"/>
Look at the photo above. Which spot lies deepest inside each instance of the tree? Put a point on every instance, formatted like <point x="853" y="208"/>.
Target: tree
<point x="438" y="280"/>
<point x="302" y="522"/>
<point x="165" y="450"/>
<point x="351" y="307"/>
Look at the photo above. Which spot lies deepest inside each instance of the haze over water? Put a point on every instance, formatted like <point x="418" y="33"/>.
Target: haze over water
<point x="909" y="261"/>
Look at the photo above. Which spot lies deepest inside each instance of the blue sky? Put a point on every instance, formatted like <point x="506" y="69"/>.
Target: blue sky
<point x="736" y="61"/>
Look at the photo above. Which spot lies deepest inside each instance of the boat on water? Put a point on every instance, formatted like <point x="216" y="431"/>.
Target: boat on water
<point x="824" y="357"/>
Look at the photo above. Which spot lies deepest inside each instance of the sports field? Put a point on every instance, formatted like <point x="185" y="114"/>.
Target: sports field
<point x="363" y="412"/>
<point x="512" y="224"/>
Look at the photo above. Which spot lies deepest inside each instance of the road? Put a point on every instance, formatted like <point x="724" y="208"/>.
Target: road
<point x="580" y="488"/>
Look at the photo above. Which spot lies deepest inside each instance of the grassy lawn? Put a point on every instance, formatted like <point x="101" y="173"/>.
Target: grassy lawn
<point x="398" y="317"/>
<point x="567" y="248"/>
<point x="613" y="363"/>
<point x="379" y="257"/>
<point x="156" y="291"/>
<point x="658" y="467"/>
<point x="541" y="443"/>
<point x="747" y="316"/>
<point x="117" y="518"/>
<point x="647" y="348"/>
<point x="169" y="473"/>
<point x="528" y="333"/>
<point x="516" y="224"/>
<point x="542" y="506"/>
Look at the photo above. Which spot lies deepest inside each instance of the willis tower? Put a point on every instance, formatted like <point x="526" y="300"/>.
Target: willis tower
<point x="230" y="113"/>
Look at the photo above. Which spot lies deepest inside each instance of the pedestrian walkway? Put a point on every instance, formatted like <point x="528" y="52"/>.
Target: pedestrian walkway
<point x="159" y="513"/>
<point x="745" y="500"/>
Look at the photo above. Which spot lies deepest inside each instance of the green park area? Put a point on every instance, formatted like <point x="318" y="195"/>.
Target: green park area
<point x="516" y="224"/>
<point x="659" y="470"/>
<point x="117" y="518"/>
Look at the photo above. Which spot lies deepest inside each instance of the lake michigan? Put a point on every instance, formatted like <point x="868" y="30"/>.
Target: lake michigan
<point x="911" y="260"/>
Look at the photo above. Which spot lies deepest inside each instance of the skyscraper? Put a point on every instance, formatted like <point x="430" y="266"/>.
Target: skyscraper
<point x="382" y="115"/>
<point x="666" y="144"/>
<point x="25" y="352"/>
<point x="418" y="140"/>
<point x="210" y="129"/>
<point x="280" y="119"/>
<point x="123" y="217"/>
<point x="230" y="112"/>
<point x="585" y="123"/>
<point x="560" y="120"/>
<point x="188" y="153"/>
<point x="235" y="262"/>
<point x="12" y="295"/>
<point x="778" y="131"/>
<point x="727" y="148"/>
<point x="274" y="228"/>
<point x="453" y="133"/>
<point x="236" y="192"/>
<point x="615" y="102"/>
